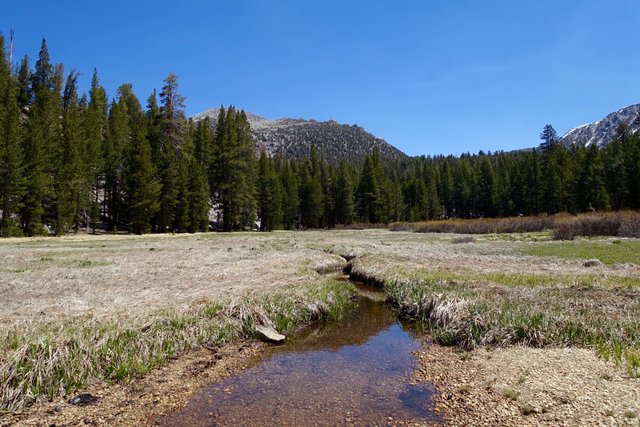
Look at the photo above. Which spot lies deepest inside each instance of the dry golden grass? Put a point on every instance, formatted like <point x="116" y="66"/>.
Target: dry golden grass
<point x="47" y="280"/>
<point x="150" y="295"/>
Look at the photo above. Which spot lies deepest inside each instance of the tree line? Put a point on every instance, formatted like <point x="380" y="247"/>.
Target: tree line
<point x="70" y="161"/>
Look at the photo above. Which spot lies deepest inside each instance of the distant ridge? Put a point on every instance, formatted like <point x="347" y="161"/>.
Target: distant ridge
<point x="603" y="131"/>
<point x="293" y="138"/>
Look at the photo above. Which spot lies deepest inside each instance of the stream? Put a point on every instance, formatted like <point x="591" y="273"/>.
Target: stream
<point x="355" y="372"/>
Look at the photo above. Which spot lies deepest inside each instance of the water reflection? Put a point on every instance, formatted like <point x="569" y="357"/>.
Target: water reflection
<point x="352" y="373"/>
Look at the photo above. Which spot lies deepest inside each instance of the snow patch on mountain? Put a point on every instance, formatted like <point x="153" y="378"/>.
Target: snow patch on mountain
<point x="603" y="131"/>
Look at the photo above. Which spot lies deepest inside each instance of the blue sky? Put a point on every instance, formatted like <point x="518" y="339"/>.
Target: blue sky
<point x="429" y="77"/>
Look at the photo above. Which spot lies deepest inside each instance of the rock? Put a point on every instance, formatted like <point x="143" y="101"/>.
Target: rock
<point x="267" y="333"/>
<point x="83" y="399"/>
<point x="593" y="263"/>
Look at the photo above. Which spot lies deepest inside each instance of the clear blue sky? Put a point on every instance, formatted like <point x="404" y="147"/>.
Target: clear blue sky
<point x="430" y="77"/>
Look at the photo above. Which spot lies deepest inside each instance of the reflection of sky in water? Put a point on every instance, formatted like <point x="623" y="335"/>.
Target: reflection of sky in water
<point x="356" y="372"/>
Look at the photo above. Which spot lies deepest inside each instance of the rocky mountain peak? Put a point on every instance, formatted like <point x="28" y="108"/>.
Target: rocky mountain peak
<point x="603" y="131"/>
<point x="295" y="137"/>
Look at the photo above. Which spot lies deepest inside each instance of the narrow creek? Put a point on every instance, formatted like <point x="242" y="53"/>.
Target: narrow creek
<point x="355" y="372"/>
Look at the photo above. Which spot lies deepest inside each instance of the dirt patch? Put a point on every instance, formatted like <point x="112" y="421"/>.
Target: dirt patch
<point x="138" y="402"/>
<point x="521" y="386"/>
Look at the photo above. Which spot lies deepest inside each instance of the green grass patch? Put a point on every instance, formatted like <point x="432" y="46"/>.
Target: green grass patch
<point x="609" y="252"/>
<point x="464" y="279"/>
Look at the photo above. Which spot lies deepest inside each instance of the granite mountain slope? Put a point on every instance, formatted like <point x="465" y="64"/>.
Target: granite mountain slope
<point x="293" y="138"/>
<point x="605" y="130"/>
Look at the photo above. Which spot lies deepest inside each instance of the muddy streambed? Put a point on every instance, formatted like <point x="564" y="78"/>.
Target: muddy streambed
<point x="356" y="372"/>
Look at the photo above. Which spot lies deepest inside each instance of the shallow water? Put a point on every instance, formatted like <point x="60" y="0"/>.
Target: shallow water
<point x="356" y="372"/>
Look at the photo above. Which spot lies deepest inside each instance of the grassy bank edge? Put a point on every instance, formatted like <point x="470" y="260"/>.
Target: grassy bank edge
<point x="57" y="360"/>
<point x="468" y="314"/>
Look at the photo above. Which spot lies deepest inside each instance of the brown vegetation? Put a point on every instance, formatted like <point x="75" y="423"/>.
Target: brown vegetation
<point x="564" y="226"/>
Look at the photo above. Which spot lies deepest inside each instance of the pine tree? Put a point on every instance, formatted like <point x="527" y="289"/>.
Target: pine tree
<point x="11" y="163"/>
<point x="589" y="189"/>
<point x="311" y="194"/>
<point x="631" y="168"/>
<point x="368" y="193"/>
<point x="269" y="195"/>
<point x="344" y="199"/>
<point x="487" y="190"/>
<point x="549" y="137"/>
<point x="557" y="179"/>
<point x="416" y="200"/>
<point x="172" y="130"/>
<point x="95" y="132"/>
<point x="24" y="95"/>
<point x="192" y="209"/>
<point x="233" y="171"/>
<point x="69" y="180"/>
<point x="290" y="194"/>
<point x="142" y="188"/>
<point x="327" y="179"/>
<point x="203" y="141"/>
<point x="116" y="148"/>
<point x="42" y="127"/>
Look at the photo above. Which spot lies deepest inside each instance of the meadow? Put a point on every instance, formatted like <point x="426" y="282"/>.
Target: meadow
<point x="84" y="310"/>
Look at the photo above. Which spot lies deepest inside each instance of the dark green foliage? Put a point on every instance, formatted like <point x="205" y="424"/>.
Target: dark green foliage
<point x="172" y="126"/>
<point x="290" y="193"/>
<point x="311" y="192"/>
<point x="70" y="182"/>
<point x="141" y="185"/>
<point x="42" y="133"/>
<point x="192" y="209"/>
<point x="95" y="132"/>
<point x="11" y="162"/>
<point x="233" y="171"/>
<point x="115" y="148"/>
<point x="549" y="137"/>
<point x="269" y="195"/>
<point x="344" y="203"/>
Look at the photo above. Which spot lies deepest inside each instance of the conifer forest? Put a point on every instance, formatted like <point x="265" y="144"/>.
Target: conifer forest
<point x="99" y="161"/>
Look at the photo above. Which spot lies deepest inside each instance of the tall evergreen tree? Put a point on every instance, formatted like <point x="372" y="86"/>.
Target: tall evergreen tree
<point x="192" y="209"/>
<point x="70" y="183"/>
<point x="311" y="194"/>
<point x="290" y="194"/>
<point x="142" y="188"/>
<point x="344" y="199"/>
<point x="117" y="145"/>
<point x="269" y="195"/>
<point x="549" y="137"/>
<point x="42" y="128"/>
<point x="11" y="162"/>
<point x="368" y="193"/>
<point x="233" y="171"/>
<point x="95" y="132"/>
<point x="172" y="132"/>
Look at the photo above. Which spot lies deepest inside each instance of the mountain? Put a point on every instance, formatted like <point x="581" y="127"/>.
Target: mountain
<point x="603" y="131"/>
<point x="294" y="138"/>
